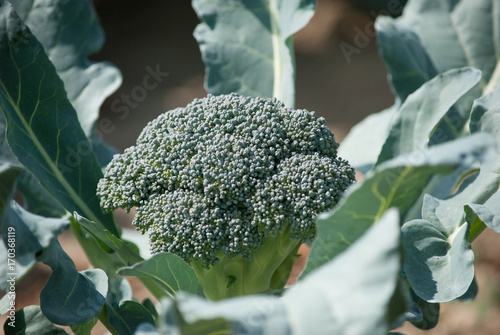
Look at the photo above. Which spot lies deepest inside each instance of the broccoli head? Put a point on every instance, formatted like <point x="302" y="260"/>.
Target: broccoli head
<point x="232" y="185"/>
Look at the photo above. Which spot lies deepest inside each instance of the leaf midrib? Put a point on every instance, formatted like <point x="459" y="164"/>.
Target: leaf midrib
<point x="276" y="39"/>
<point x="57" y="173"/>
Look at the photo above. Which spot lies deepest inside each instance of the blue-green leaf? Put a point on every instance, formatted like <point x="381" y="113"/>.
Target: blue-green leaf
<point x="422" y="314"/>
<point x="407" y="61"/>
<point x="364" y="141"/>
<point x="395" y="183"/>
<point x="247" y="46"/>
<point x="458" y="33"/>
<point x="417" y="119"/>
<point x="42" y="127"/>
<point x="444" y="227"/>
<point x="489" y="212"/>
<point x="127" y="316"/>
<point x="448" y="214"/>
<point x="85" y="328"/>
<point x="70" y="297"/>
<point x="168" y="270"/>
<point x="481" y="198"/>
<point x="335" y="299"/>
<point x="32" y="233"/>
<point x="126" y="251"/>
<point x="440" y="268"/>
<point x="68" y="40"/>
<point x="30" y="320"/>
<point x="8" y="175"/>
<point x="119" y="253"/>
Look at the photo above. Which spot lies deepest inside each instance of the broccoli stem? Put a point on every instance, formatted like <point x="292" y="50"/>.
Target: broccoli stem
<point x="266" y="272"/>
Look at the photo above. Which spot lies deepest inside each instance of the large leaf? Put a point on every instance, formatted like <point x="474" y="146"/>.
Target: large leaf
<point x="68" y="40"/>
<point x="417" y="119"/>
<point x="118" y="253"/>
<point x="440" y="261"/>
<point x="336" y="299"/>
<point x="86" y="83"/>
<point x="485" y="117"/>
<point x="36" y="199"/>
<point x="247" y="46"/>
<point x="168" y="270"/>
<point x="31" y="234"/>
<point x="407" y="61"/>
<point x="422" y="314"/>
<point x="488" y="213"/>
<point x="31" y="321"/>
<point x="43" y="130"/>
<point x="364" y="141"/>
<point x="440" y="268"/>
<point x="126" y="316"/>
<point x="70" y="297"/>
<point x="126" y="250"/>
<point x="458" y="33"/>
<point x="395" y="183"/>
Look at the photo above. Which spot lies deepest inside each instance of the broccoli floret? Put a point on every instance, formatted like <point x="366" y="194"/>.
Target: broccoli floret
<point x="232" y="185"/>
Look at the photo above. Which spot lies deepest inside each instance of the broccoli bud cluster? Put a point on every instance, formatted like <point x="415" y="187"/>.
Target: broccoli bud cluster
<point x="217" y="177"/>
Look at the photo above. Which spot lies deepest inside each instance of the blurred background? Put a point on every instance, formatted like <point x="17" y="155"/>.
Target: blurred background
<point x="339" y="76"/>
<point x="341" y="84"/>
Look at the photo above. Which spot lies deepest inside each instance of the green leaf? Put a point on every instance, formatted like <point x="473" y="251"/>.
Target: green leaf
<point x="6" y="155"/>
<point x="247" y="46"/>
<point x="70" y="297"/>
<point x="102" y="150"/>
<point x="422" y="314"/>
<point x="458" y="33"/>
<point x="407" y="61"/>
<point x="481" y="198"/>
<point x="103" y="236"/>
<point x="36" y="199"/>
<point x="364" y="141"/>
<point x="448" y="214"/>
<point x="68" y="40"/>
<point x="118" y="253"/>
<point x="335" y="299"/>
<point x="440" y="268"/>
<point x="8" y="175"/>
<point x="395" y="183"/>
<point x="126" y="316"/>
<point x="42" y="127"/>
<point x="85" y="328"/>
<point x="167" y="269"/>
<point x="489" y="212"/>
<point x="32" y="234"/>
<point x="360" y="303"/>
<point x="441" y="265"/>
<point x="417" y="119"/>
<point x="31" y="321"/>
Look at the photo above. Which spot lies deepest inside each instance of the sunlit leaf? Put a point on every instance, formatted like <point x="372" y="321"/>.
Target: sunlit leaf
<point x="168" y="270"/>
<point x="247" y="46"/>
<point x="57" y="152"/>
<point x="396" y="183"/>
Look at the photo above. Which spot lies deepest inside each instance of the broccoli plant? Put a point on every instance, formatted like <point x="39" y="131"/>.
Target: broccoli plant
<point x="228" y="187"/>
<point x="232" y="185"/>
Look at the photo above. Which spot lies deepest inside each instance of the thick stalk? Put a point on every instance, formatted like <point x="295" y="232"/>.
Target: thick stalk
<point x="266" y="272"/>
